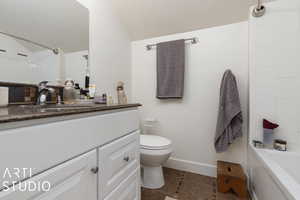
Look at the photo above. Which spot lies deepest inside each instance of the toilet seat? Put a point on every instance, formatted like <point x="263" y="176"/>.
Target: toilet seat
<point x="153" y="142"/>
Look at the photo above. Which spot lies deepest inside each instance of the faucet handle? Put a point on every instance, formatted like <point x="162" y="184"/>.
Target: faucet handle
<point x="43" y="83"/>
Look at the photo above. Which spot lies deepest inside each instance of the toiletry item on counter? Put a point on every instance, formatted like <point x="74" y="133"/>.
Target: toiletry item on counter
<point x="110" y="101"/>
<point x="122" y="98"/>
<point x="3" y="96"/>
<point x="87" y="81"/>
<point x="92" y="90"/>
<point x="104" y="97"/>
<point x="87" y="72"/>
<point x="84" y="93"/>
<point x="100" y="99"/>
<point x="280" y="145"/>
<point x="268" y="135"/>
<point x="77" y="91"/>
<point x="69" y="91"/>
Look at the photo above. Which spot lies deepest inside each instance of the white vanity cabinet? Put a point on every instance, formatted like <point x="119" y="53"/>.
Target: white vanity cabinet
<point x="56" y="151"/>
<point x="74" y="180"/>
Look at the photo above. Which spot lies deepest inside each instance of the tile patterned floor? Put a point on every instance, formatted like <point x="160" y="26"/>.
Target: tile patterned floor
<point x="187" y="186"/>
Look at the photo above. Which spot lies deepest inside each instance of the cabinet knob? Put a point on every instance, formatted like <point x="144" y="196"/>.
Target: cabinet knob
<point x="95" y="170"/>
<point x="126" y="159"/>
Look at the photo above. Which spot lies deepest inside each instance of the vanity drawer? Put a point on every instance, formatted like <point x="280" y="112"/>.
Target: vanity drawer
<point x="117" y="161"/>
<point x="129" y="189"/>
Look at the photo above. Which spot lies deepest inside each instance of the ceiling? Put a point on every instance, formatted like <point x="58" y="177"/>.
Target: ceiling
<point x="65" y="23"/>
<point x="56" y="23"/>
<point x="152" y="18"/>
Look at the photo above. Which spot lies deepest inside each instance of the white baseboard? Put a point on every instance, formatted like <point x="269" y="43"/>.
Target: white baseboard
<point x="191" y="166"/>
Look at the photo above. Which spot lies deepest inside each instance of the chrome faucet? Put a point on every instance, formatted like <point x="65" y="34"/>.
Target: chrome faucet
<point x="43" y="92"/>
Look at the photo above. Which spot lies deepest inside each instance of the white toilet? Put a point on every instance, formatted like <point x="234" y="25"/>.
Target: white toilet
<point x="155" y="150"/>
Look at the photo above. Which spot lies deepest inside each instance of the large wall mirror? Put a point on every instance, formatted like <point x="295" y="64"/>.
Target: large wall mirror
<point x="43" y="40"/>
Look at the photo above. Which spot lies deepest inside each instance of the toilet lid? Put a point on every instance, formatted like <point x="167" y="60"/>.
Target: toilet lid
<point x="154" y="142"/>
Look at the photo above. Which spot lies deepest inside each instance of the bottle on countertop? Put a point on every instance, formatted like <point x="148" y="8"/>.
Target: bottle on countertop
<point x="87" y="72"/>
<point x="110" y="101"/>
<point x="92" y="91"/>
<point x="69" y="91"/>
<point x="104" y="98"/>
<point x="77" y="91"/>
<point x="122" y="98"/>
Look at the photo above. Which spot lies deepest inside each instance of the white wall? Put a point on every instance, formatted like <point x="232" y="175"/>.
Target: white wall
<point x="110" y="48"/>
<point x="190" y="123"/>
<point x="274" y="71"/>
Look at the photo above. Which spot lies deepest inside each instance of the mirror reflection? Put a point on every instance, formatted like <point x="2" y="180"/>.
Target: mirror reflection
<point x="43" y="41"/>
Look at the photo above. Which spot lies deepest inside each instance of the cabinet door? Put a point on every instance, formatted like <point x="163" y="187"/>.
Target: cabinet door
<point x="117" y="161"/>
<point x="129" y="189"/>
<point x="73" y="180"/>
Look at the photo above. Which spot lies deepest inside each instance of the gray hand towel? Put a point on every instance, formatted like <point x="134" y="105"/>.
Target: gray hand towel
<point x="170" y="69"/>
<point x="230" y="120"/>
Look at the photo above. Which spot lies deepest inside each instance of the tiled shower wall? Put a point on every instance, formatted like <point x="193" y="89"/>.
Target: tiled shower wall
<point x="274" y="71"/>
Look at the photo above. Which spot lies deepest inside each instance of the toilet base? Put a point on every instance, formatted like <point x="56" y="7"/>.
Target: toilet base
<point x="152" y="177"/>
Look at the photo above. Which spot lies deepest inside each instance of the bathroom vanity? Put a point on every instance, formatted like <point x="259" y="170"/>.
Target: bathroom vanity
<point x="59" y="152"/>
<point x="89" y="153"/>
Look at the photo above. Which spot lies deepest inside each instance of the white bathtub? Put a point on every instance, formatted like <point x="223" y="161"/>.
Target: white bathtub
<point x="274" y="175"/>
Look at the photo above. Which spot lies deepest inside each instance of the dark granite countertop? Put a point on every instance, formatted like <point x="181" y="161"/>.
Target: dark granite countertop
<point x="16" y="113"/>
